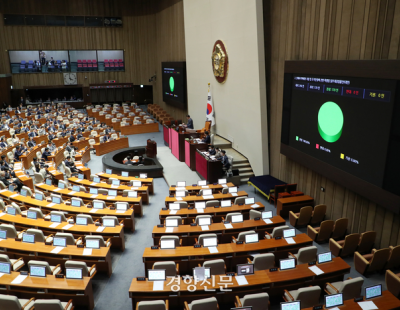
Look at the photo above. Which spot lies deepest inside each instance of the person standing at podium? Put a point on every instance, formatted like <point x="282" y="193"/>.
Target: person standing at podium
<point x="189" y="122"/>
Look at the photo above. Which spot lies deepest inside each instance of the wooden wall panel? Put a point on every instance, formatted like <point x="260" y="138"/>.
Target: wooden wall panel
<point x="153" y="31"/>
<point x="330" y="30"/>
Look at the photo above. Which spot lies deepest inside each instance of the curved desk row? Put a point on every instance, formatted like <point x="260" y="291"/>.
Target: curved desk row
<point x="192" y="199"/>
<point x="188" y="233"/>
<point x="195" y="188"/>
<point x="189" y="257"/>
<point x="127" y="216"/>
<point x="273" y="283"/>
<point x="115" y="233"/>
<point x="145" y="182"/>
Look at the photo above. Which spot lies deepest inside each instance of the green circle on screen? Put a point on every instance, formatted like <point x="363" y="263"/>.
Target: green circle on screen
<point x="171" y="84"/>
<point x="330" y="121"/>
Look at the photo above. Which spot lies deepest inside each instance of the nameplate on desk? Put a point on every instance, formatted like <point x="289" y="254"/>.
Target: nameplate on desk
<point x="191" y="208"/>
<point x="112" y="208"/>
<point x="141" y="279"/>
<point x="357" y="299"/>
<point x="311" y="263"/>
<point x="164" y="209"/>
<point x="193" y="224"/>
<point x="23" y="273"/>
<point x="257" y="218"/>
<point x="18" y="239"/>
<point x="154" y="247"/>
<point x="80" y="246"/>
<point x="230" y="274"/>
<point x="160" y="225"/>
<point x="59" y="276"/>
<point x="48" y="243"/>
<point x="319" y="307"/>
<point x="273" y="269"/>
<point x="239" y="242"/>
<point x="240" y="204"/>
<point x="278" y="237"/>
<point x="171" y="196"/>
<point x="216" y="206"/>
<point x="197" y="246"/>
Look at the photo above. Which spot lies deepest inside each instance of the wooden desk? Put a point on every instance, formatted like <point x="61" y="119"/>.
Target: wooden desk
<point x="272" y="283"/>
<point x="39" y="251"/>
<point x="215" y="188"/>
<point x="127" y="216"/>
<point x="190" y="152"/>
<point x="27" y="158"/>
<point x="188" y="233"/>
<point x="217" y="213"/>
<point x="210" y="170"/>
<point x="115" y="233"/>
<point x="385" y="302"/>
<point x="189" y="257"/>
<point x="110" y="146"/>
<point x="57" y="156"/>
<point x="58" y="175"/>
<point x="293" y="204"/>
<point x="146" y="182"/>
<point x="83" y="156"/>
<point x="142" y="191"/>
<point x="82" y="169"/>
<point x="193" y="199"/>
<point x="20" y="174"/>
<point x="141" y="128"/>
<point x="39" y="139"/>
<point x="135" y="203"/>
<point x="60" y="141"/>
<point x="81" y="144"/>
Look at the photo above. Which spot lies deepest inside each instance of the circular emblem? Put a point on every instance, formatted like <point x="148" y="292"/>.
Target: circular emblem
<point x="171" y="84"/>
<point x="219" y="61"/>
<point x="330" y="121"/>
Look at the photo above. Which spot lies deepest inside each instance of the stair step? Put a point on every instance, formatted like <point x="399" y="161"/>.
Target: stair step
<point x="244" y="180"/>
<point x="246" y="174"/>
<point x="241" y="165"/>
<point x="245" y="170"/>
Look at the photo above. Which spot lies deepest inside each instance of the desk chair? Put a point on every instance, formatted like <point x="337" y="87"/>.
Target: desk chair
<point x="393" y="282"/>
<point x="242" y="236"/>
<point x="53" y="304"/>
<point x="305" y="255"/>
<point x="152" y="305"/>
<point x="210" y="303"/>
<point x="171" y="270"/>
<point x="217" y="266"/>
<point x="17" y="208"/>
<point x="179" y="218"/>
<point x="8" y="302"/>
<point x="92" y="142"/>
<point x="239" y="200"/>
<point x="62" y="214"/>
<point x="2" y="204"/>
<point x="258" y="301"/>
<point x="394" y="258"/>
<point x="225" y="190"/>
<point x="110" y="217"/>
<point x="81" y="203"/>
<point x="367" y="240"/>
<point x="201" y="237"/>
<point x="38" y="211"/>
<point x="178" y="242"/>
<point x="50" y="270"/>
<point x="38" y="177"/>
<point x="102" y="243"/>
<point x="322" y="233"/>
<point x="263" y="261"/>
<point x="16" y="264"/>
<point x="318" y="214"/>
<point x="254" y="214"/>
<point x="340" y="228"/>
<point x="344" y="247"/>
<point x="198" y="217"/>
<point x="182" y="204"/>
<point x="302" y="218"/>
<point x="39" y="236"/>
<point x="276" y="232"/>
<point x="11" y="231"/>
<point x="229" y="216"/>
<point x="55" y="195"/>
<point x="350" y="288"/>
<point x="308" y="296"/>
<point x="369" y="263"/>
<point x="87" y="216"/>
<point x="28" y="190"/>
<point x="86" y="272"/>
<point x="2" y="186"/>
<point x="70" y="238"/>
<point x="102" y="191"/>
<point x="212" y="203"/>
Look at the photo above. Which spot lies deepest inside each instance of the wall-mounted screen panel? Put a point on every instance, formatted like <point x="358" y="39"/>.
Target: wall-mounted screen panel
<point x="174" y="83"/>
<point x="338" y="120"/>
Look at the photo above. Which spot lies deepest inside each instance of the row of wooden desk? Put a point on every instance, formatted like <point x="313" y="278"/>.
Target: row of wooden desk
<point x="145" y="182"/>
<point x="192" y="198"/>
<point x="137" y="129"/>
<point x="110" y="146"/>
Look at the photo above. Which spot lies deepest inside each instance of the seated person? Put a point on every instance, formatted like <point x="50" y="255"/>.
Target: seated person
<point x="31" y="142"/>
<point x="18" y="152"/>
<point x="70" y="164"/>
<point x="106" y="138"/>
<point x="71" y="138"/>
<point x="46" y="154"/>
<point x="211" y="150"/>
<point x="3" y="143"/>
<point x="79" y="135"/>
<point x="4" y="166"/>
<point x="207" y="138"/>
<point x="128" y="161"/>
<point x="15" y="139"/>
<point x="7" y="181"/>
<point x="225" y="161"/>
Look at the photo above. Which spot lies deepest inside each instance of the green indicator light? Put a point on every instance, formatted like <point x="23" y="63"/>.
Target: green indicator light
<point x="330" y="121"/>
<point x="171" y="84"/>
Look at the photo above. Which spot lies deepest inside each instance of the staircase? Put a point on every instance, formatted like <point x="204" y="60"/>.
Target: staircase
<point x="239" y="161"/>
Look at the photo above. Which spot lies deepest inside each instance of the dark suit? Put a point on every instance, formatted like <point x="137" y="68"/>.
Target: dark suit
<point x="45" y="155"/>
<point x="3" y="144"/>
<point x="129" y="163"/>
<point x="207" y="139"/>
<point x="225" y="162"/>
<point x="213" y="152"/>
<point x="71" y="139"/>
<point x="33" y="134"/>
<point x="190" y="123"/>
<point x="31" y="143"/>
<point x="17" y="154"/>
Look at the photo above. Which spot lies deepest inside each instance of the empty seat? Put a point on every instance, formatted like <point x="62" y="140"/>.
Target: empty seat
<point x="340" y="228"/>
<point x="318" y="214"/>
<point x="50" y="270"/>
<point x="53" y="304"/>
<point x="276" y="232"/>
<point x="212" y="203"/>
<point x="254" y="214"/>
<point x="201" y="238"/>
<point x="217" y="266"/>
<point x="367" y="240"/>
<point x="239" y="200"/>
<point x="259" y="301"/>
<point x="305" y="255"/>
<point x="210" y="303"/>
<point x="11" y="231"/>
<point x="394" y="258"/>
<point x="322" y="233"/>
<point x="8" y="302"/>
<point x="101" y="240"/>
<point x="39" y="236"/>
<point x="350" y="288"/>
<point x="242" y="235"/>
<point x="344" y="247"/>
<point x="70" y="238"/>
<point x="369" y="263"/>
<point x="16" y="264"/>
<point x="86" y="272"/>
<point x="302" y="218"/>
<point x="393" y="282"/>
<point x="263" y="261"/>
<point x="152" y="305"/>
<point x="308" y="296"/>
<point x="171" y="269"/>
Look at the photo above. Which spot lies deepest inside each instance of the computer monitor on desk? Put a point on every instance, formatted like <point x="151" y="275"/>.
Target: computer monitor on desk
<point x="98" y="205"/>
<point x="226" y="203"/>
<point x="73" y="273"/>
<point x="94" y="191"/>
<point x="237" y="218"/>
<point x="60" y="241"/>
<point x="289" y="233"/>
<point x="5" y="267"/>
<point x="202" y="183"/>
<point x="116" y="182"/>
<point x="181" y="184"/>
<point x="92" y="244"/>
<point x="373" y="291"/>
<point x="156" y="274"/>
<point x="171" y="223"/>
<point x="38" y="196"/>
<point x="266" y="214"/>
<point x="108" y="222"/>
<point x="112" y="192"/>
<point x="81" y="176"/>
<point x="288" y="263"/>
<point x="232" y="190"/>
<point x="174" y="206"/>
<point x="48" y="182"/>
<point x="210" y="242"/>
<point x="167" y="244"/>
<point x="81" y="221"/>
<point x="55" y="218"/>
<point x="37" y="271"/>
<point x="61" y="185"/>
<point x="207" y="192"/>
<point x="221" y="181"/>
<point x="76" y="188"/>
<point x="56" y="200"/>
<point x="28" y="238"/>
<point x="23" y="192"/>
<point x="207" y="272"/>
<point x="244" y="269"/>
<point x="96" y="180"/>
<point x="109" y="171"/>
<point x="249" y="201"/>
<point x="137" y="183"/>
<point x="324" y="257"/>
<point x="291" y="305"/>
<point x="3" y="234"/>
<point x="251" y="238"/>
<point x="200" y="205"/>
<point x="333" y="300"/>
<point x="124" y="174"/>
<point x="143" y="175"/>
<point x="204" y="221"/>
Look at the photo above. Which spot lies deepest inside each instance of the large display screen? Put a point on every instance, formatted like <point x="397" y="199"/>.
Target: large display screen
<point x="340" y="119"/>
<point x="174" y="83"/>
<point x="343" y="121"/>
